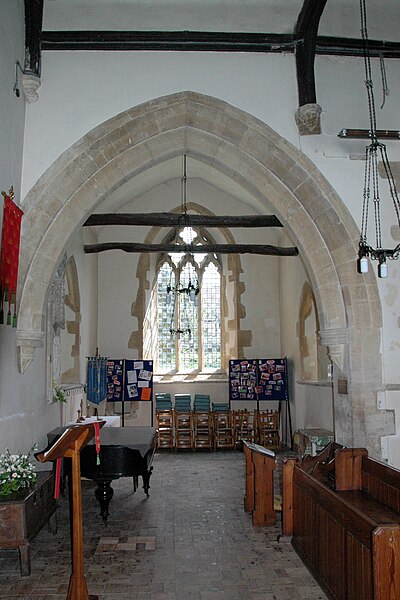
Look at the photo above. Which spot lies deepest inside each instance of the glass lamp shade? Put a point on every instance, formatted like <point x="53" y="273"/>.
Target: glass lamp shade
<point x="382" y="270"/>
<point x="364" y="264"/>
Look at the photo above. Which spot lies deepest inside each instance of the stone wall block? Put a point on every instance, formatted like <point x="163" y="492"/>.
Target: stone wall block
<point x="205" y="119"/>
<point x="202" y="145"/>
<point x="167" y="145"/>
<point x="313" y="200"/>
<point x="235" y="131"/>
<point x="228" y="158"/>
<point x="169" y="118"/>
<point x="95" y="151"/>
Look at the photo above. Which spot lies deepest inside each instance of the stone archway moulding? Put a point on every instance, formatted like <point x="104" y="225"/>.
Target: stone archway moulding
<point x="241" y="147"/>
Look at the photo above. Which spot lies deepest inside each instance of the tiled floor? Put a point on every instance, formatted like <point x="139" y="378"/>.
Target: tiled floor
<point x="191" y="539"/>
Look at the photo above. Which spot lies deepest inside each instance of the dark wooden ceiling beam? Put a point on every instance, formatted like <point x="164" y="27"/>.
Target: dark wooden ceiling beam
<point x="33" y="33"/>
<point x="206" y="249"/>
<point x="305" y="35"/>
<point x="208" y="41"/>
<point x="166" y="40"/>
<point x="179" y="220"/>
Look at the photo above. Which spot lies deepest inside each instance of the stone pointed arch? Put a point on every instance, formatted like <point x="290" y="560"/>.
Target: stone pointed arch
<point x="265" y="164"/>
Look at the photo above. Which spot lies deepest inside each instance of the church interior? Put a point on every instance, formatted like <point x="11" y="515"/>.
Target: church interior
<point x="202" y="232"/>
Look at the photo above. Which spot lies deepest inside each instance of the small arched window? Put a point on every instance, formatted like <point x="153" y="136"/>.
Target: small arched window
<point x="188" y="296"/>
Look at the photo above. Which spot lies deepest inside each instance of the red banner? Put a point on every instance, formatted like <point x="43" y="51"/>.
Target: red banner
<point x="10" y="239"/>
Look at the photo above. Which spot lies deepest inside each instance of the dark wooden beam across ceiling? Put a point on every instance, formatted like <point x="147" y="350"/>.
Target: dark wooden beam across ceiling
<point x="180" y="220"/>
<point x="195" y="41"/>
<point x="201" y="41"/>
<point x="203" y="249"/>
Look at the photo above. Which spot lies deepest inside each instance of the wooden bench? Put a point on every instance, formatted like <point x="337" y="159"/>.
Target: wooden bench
<point x="342" y="510"/>
<point x="259" y="498"/>
<point x="24" y="513"/>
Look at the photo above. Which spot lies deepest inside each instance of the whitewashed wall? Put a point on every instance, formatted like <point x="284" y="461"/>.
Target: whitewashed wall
<point x="23" y="414"/>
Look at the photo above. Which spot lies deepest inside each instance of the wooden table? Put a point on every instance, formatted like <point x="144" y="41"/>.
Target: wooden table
<point x="24" y="513"/>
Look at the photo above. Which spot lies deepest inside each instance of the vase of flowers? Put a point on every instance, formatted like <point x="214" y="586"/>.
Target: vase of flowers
<point x="58" y="393"/>
<point x="16" y="472"/>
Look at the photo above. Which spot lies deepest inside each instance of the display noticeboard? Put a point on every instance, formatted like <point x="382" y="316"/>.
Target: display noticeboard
<point x="258" y="379"/>
<point x="138" y="379"/>
<point x="129" y="380"/>
<point x="115" y="380"/>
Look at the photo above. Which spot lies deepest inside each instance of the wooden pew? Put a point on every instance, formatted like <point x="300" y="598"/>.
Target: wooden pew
<point x="342" y="510"/>
<point x="259" y="498"/>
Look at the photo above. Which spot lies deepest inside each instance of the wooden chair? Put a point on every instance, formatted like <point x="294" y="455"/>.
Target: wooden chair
<point x="183" y="429"/>
<point x="203" y="430"/>
<point x="268" y="429"/>
<point x="243" y="427"/>
<point x="223" y="430"/>
<point x="165" y="429"/>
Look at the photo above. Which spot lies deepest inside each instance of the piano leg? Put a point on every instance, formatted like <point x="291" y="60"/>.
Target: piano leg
<point x="104" y="493"/>
<point x="146" y="480"/>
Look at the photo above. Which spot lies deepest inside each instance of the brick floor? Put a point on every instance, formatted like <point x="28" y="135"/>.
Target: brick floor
<point x="190" y="540"/>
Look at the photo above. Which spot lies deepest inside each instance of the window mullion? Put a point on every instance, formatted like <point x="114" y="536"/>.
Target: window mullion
<point x="200" y="323"/>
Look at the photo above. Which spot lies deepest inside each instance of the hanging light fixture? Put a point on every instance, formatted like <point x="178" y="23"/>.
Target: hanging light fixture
<point x="190" y="290"/>
<point x="375" y="151"/>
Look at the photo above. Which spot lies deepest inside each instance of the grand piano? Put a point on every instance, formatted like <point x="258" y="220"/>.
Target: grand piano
<point x="124" y="452"/>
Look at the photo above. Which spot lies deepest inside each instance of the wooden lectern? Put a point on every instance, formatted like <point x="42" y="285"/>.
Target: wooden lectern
<point x="69" y="445"/>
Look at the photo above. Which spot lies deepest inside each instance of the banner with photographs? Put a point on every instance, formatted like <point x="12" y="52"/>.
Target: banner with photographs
<point x="129" y="380"/>
<point x="258" y="379"/>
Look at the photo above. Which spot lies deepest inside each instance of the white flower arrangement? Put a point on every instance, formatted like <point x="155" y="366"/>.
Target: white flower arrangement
<point x="16" y="472"/>
<point x="58" y="393"/>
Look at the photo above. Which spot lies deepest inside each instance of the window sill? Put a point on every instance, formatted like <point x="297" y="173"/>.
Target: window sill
<point x="314" y="383"/>
<point x="193" y="377"/>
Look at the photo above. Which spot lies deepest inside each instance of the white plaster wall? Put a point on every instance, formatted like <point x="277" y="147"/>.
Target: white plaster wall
<point x="82" y="89"/>
<point x="24" y="415"/>
<point x="87" y="270"/>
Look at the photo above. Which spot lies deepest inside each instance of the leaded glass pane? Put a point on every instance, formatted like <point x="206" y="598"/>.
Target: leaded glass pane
<point x="165" y="308"/>
<point x="188" y="323"/>
<point x="211" y="317"/>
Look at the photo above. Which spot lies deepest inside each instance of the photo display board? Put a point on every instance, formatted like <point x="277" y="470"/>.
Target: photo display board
<point x="115" y="380"/>
<point x="138" y="379"/>
<point x="129" y="380"/>
<point x="258" y="379"/>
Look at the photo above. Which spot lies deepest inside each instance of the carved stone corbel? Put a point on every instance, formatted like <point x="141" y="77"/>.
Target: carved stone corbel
<point x="31" y="84"/>
<point x="308" y="119"/>
<point x="336" y="340"/>
<point x="27" y="342"/>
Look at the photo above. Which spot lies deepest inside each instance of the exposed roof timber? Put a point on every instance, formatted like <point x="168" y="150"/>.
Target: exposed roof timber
<point x="33" y="30"/>
<point x="202" y="249"/>
<point x="166" y="40"/>
<point x="208" y="41"/>
<point x="180" y="220"/>
<point x="305" y="32"/>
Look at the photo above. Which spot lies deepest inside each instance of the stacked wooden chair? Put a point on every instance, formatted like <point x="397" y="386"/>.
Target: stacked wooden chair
<point x="165" y="421"/>
<point x="203" y="426"/>
<point x="211" y="426"/>
<point x="243" y="427"/>
<point x="183" y="422"/>
<point x="223" y="429"/>
<point x="267" y="428"/>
